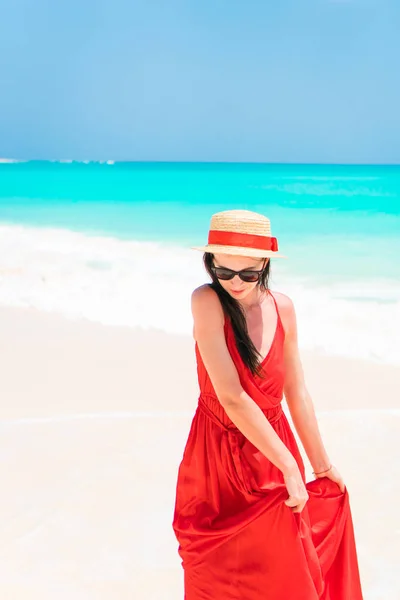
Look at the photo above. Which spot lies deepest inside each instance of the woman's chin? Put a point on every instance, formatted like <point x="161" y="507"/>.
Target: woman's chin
<point x="238" y="294"/>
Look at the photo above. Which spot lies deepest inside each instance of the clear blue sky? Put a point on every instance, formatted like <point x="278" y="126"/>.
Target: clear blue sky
<point x="214" y="80"/>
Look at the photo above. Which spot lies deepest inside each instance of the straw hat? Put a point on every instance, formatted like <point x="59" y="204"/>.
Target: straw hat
<point x="243" y="233"/>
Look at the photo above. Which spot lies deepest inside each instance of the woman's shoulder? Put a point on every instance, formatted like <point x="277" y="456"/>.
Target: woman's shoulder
<point x="206" y="306"/>
<point x="286" y="310"/>
<point x="203" y="291"/>
<point x="283" y="300"/>
<point x="204" y="295"/>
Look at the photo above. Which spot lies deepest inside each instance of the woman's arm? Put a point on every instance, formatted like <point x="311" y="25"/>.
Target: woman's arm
<point x="242" y="410"/>
<point x="297" y="396"/>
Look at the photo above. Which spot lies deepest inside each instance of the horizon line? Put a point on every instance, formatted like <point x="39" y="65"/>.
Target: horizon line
<point x="110" y="162"/>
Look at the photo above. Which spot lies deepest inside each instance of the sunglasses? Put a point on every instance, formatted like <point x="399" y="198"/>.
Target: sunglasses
<point x="245" y="274"/>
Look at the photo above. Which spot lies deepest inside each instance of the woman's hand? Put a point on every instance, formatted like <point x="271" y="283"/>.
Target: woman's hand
<point x="297" y="491"/>
<point x="334" y="475"/>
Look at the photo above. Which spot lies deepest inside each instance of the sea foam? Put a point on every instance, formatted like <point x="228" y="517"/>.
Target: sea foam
<point x="131" y="283"/>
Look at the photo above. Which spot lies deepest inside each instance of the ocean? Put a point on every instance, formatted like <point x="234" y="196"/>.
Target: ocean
<point x="110" y="242"/>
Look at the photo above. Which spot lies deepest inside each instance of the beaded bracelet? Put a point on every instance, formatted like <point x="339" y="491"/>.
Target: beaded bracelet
<point x="320" y="472"/>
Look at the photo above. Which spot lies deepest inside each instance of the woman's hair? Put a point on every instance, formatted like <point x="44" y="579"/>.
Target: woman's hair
<point x="234" y="311"/>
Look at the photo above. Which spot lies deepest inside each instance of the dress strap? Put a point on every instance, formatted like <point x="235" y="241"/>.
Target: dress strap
<point x="276" y="306"/>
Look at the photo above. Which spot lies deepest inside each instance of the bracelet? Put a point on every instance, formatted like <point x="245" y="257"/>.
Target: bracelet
<point x="320" y="472"/>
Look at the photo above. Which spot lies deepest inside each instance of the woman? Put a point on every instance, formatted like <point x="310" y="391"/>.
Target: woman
<point x="249" y="526"/>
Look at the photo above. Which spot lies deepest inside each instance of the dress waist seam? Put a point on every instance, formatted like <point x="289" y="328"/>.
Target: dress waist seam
<point x="276" y="413"/>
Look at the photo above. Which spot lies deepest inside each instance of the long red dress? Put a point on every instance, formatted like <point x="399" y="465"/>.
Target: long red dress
<point x="237" y="538"/>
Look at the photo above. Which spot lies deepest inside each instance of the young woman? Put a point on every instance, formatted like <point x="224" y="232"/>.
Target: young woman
<point x="249" y="527"/>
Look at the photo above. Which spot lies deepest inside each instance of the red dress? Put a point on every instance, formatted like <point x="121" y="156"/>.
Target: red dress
<point x="237" y="538"/>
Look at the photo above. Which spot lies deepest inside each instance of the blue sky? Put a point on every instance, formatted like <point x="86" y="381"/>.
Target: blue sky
<point x="209" y="80"/>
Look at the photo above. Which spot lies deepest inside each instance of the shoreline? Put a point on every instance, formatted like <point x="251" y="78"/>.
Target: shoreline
<point x="92" y="276"/>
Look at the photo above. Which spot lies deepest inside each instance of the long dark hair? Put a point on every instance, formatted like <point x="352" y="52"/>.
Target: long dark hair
<point x="234" y="311"/>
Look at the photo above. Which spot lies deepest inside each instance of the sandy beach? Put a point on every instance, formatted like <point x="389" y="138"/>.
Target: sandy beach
<point x="93" y="425"/>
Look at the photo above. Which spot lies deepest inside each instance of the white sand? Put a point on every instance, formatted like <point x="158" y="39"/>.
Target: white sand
<point x="93" y="424"/>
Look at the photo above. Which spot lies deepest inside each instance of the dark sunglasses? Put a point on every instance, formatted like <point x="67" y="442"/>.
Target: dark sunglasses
<point x="245" y="274"/>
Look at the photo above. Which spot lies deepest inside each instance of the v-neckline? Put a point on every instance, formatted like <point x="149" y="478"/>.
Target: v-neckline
<point x="264" y="360"/>
<point x="272" y="343"/>
<point x="275" y="332"/>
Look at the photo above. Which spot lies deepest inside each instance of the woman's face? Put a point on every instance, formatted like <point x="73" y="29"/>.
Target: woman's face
<point x="237" y="288"/>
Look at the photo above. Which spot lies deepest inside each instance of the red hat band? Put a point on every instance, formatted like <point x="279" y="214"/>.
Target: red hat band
<point x="243" y="240"/>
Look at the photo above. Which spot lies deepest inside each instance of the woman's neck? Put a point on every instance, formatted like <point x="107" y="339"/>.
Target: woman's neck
<point x="253" y="300"/>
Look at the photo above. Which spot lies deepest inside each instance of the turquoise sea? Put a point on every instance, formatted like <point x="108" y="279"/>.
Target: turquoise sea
<point x="107" y="240"/>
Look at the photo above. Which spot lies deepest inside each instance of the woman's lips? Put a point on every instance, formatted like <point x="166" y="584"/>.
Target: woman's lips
<point x="237" y="291"/>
